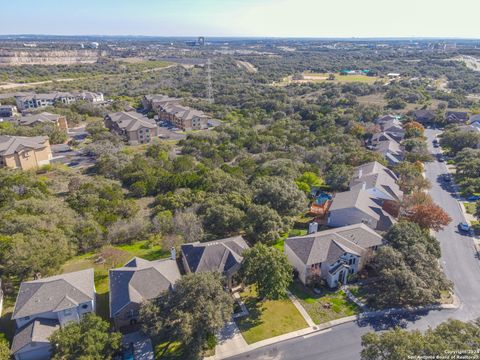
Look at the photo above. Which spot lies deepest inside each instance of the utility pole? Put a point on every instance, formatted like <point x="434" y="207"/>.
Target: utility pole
<point x="209" y="83"/>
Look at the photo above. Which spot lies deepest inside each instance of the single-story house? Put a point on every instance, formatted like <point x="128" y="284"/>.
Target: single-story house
<point x="332" y="254"/>
<point x="137" y="281"/>
<point x="392" y="126"/>
<point x="224" y="256"/>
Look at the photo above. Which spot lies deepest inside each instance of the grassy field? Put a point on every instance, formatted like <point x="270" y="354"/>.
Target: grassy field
<point x="114" y="257"/>
<point x="328" y="306"/>
<point x="268" y="318"/>
<point x="309" y="77"/>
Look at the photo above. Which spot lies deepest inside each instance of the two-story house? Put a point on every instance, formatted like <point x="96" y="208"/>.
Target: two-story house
<point x="333" y="254"/>
<point x="44" y="306"/>
<point x="137" y="281"/>
<point x="135" y="128"/>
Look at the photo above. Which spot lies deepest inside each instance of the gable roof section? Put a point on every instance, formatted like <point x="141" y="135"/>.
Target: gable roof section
<point x="220" y="255"/>
<point x="54" y="293"/>
<point x="13" y="144"/>
<point x="44" y="117"/>
<point x="131" y="121"/>
<point x="328" y="246"/>
<point x="140" y="280"/>
<point x="37" y="331"/>
<point x="375" y="175"/>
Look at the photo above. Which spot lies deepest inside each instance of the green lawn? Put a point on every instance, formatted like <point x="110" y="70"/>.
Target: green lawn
<point x="114" y="257"/>
<point x="268" y="318"/>
<point x="328" y="306"/>
<point x="470" y="207"/>
<point x="294" y="232"/>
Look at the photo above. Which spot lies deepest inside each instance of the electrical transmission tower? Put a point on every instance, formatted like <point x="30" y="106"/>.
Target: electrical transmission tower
<point x="209" y="83"/>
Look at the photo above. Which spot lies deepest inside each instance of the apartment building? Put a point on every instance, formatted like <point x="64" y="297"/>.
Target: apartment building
<point x="19" y="152"/>
<point x="36" y="101"/>
<point x="133" y="127"/>
<point x="169" y="109"/>
<point x="8" y="111"/>
<point x="44" y="118"/>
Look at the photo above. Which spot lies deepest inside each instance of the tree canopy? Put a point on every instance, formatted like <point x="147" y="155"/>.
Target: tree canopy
<point x="269" y="270"/>
<point x="89" y="339"/>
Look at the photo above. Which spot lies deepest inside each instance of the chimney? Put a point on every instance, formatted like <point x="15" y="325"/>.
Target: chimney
<point x="360" y="173"/>
<point x="173" y="253"/>
<point x="312" y="227"/>
<point x="364" y="185"/>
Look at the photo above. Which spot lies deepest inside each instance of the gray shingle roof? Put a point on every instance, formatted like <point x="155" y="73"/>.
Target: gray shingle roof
<point x="44" y="117"/>
<point x="131" y="121"/>
<point x="140" y="280"/>
<point x="11" y="144"/>
<point x="37" y="331"/>
<point x="328" y="246"/>
<point x="375" y="175"/>
<point x="220" y="255"/>
<point x="54" y="293"/>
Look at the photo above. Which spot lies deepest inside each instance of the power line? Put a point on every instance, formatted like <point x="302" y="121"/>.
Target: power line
<point x="209" y="83"/>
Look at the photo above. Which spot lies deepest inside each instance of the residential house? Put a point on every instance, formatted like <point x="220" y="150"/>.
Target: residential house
<point x="134" y="127"/>
<point x="44" y="118"/>
<point x="137" y="281"/>
<point x="389" y="148"/>
<point x="224" y="256"/>
<point x="392" y="126"/>
<point x="184" y="117"/>
<point x="456" y="117"/>
<point x="8" y="111"/>
<point x="333" y="254"/>
<point x="19" y="152"/>
<point x="378" y="180"/>
<point x="47" y="304"/>
<point x="424" y="116"/>
<point x="358" y="206"/>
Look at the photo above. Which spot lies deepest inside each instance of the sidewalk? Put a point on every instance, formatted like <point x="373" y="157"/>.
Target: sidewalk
<point x="301" y="309"/>
<point x="233" y="345"/>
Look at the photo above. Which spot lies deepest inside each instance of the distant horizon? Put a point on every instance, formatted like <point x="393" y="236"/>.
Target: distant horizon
<point x="245" y="18"/>
<point x="245" y="37"/>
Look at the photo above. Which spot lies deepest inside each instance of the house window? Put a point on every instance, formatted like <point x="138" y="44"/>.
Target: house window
<point x="85" y="306"/>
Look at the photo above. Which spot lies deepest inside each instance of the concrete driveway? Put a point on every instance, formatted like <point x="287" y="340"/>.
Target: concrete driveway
<point x="459" y="263"/>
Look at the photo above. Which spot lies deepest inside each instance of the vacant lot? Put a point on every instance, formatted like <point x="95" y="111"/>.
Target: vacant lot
<point x="327" y="306"/>
<point x="268" y="318"/>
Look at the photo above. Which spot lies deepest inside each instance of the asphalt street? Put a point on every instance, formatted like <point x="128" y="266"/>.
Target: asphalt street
<point x="459" y="262"/>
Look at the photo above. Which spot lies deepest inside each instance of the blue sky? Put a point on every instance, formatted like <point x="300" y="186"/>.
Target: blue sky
<point x="294" y="18"/>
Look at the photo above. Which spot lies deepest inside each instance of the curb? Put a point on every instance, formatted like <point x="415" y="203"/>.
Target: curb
<point x="331" y="324"/>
